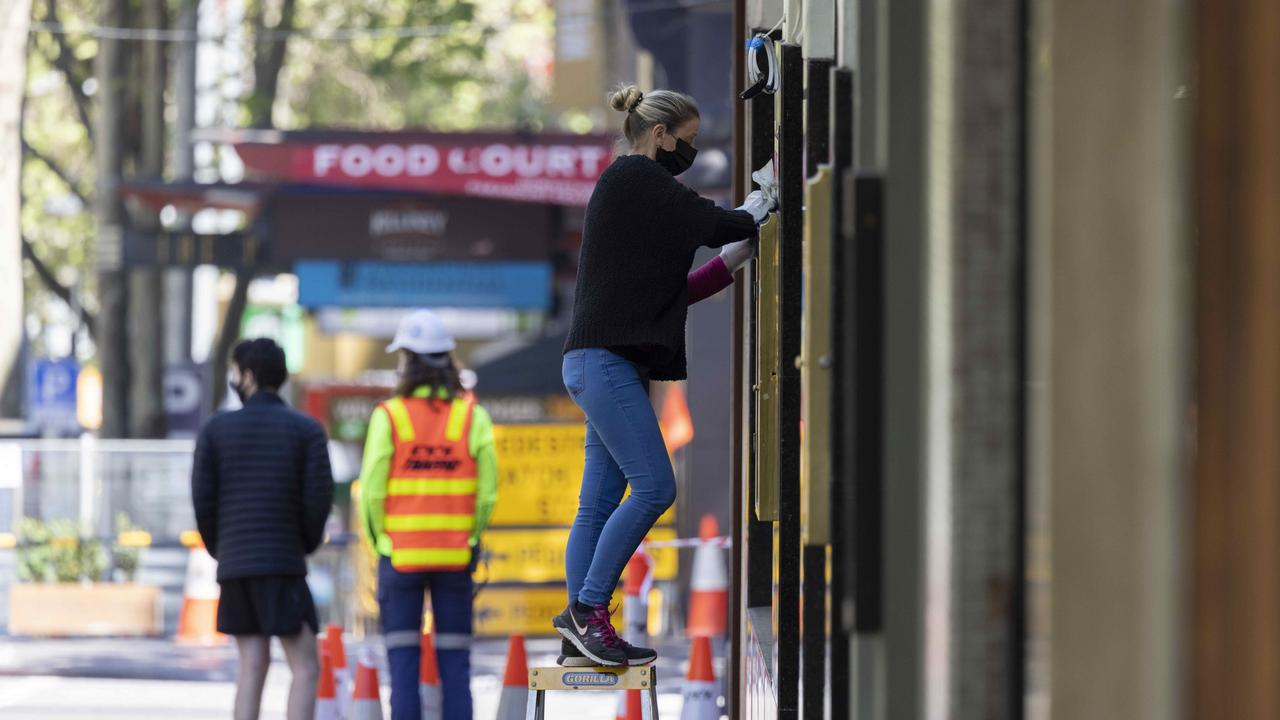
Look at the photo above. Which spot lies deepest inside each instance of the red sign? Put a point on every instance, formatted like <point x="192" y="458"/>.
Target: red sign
<point x="559" y="169"/>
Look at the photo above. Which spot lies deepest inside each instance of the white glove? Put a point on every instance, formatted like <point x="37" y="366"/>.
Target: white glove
<point x="759" y="203"/>
<point x="771" y="192"/>
<point x="766" y="179"/>
<point x="736" y="254"/>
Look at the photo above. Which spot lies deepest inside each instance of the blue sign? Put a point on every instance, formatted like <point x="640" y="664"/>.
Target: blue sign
<point x="51" y="396"/>
<point x="514" y="285"/>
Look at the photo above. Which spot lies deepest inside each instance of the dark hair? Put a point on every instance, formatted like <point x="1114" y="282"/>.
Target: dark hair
<point x="438" y="371"/>
<point x="265" y="359"/>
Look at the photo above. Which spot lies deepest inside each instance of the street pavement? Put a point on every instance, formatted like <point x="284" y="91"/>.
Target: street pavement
<point x="141" y="679"/>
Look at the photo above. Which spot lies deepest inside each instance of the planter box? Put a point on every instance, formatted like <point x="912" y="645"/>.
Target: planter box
<point x="74" y="609"/>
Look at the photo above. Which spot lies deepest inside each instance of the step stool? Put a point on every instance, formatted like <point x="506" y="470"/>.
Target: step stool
<point x="644" y="679"/>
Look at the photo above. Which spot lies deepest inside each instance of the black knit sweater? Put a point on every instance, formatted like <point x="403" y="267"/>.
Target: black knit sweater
<point x="639" y="236"/>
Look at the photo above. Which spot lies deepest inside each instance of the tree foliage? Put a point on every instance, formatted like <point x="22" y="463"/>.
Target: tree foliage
<point x="467" y="72"/>
<point x="483" y="66"/>
<point x="58" y="166"/>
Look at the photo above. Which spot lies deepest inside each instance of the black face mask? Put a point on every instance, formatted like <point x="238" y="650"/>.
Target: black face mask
<point x="678" y="160"/>
<point x="237" y="389"/>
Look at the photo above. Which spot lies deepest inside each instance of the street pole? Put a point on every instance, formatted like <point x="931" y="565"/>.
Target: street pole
<point x="112" y="287"/>
<point x="145" y="322"/>
<point x="177" y="281"/>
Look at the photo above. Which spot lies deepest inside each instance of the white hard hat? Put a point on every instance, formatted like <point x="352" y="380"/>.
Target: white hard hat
<point x="424" y="333"/>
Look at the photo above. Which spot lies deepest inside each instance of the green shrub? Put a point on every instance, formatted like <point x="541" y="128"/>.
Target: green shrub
<point x="125" y="558"/>
<point x="54" y="552"/>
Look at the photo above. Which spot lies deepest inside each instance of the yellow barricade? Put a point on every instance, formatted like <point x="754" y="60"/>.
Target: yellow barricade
<point x="503" y="611"/>
<point x="537" y="556"/>
<point x="540" y="474"/>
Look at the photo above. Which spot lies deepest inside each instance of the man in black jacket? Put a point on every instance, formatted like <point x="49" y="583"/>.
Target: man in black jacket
<point x="262" y="490"/>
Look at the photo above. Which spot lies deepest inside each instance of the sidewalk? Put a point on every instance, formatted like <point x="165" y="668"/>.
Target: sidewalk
<point x="139" y="679"/>
<point x="122" y="659"/>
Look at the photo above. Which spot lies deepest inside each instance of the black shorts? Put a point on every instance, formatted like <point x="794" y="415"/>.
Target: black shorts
<point x="273" y="605"/>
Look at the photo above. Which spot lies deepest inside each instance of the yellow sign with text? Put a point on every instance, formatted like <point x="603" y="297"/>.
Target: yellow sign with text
<point x="537" y="556"/>
<point x="505" y="611"/>
<point x="540" y="474"/>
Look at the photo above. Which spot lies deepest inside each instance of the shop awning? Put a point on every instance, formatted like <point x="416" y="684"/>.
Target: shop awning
<point x="550" y="168"/>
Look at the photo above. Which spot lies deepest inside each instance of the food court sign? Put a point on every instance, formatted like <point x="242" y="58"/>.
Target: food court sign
<point x="554" y="169"/>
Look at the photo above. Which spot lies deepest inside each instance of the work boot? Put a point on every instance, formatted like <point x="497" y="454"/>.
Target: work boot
<point x="589" y="630"/>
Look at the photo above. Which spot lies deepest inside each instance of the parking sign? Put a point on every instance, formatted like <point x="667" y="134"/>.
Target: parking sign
<point x="51" y="396"/>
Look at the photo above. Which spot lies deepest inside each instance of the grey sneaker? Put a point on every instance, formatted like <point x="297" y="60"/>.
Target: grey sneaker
<point x="590" y="631"/>
<point x="570" y="657"/>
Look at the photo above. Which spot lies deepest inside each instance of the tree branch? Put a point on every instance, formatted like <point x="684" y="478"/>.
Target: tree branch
<point x="58" y="170"/>
<point x="62" y="291"/>
<point x="65" y="62"/>
<point x="268" y="60"/>
<point x="229" y="334"/>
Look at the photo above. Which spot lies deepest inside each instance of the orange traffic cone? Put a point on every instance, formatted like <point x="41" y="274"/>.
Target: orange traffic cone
<point x="635" y="611"/>
<point x="429" y="682"/>
<point x="326" y="690"/>
<point x="332" y="644"/>
<point x="675" y="422"/>
<point x="635" y="605"/>
<point x="629" y="707"/>
<point x="366" y="701"/>
<point x="700" y="687"/>
<point x="515" y="684"/>
<point x="198" y="619"/>
<point x="709" y="585"/>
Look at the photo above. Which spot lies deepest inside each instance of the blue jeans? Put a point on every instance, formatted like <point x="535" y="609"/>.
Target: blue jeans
<point x="400" y="598"/>
<point x="624" y="447"/>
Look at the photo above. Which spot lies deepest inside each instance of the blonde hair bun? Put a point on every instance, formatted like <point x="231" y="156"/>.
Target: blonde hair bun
<point x="625" y="98"/>
<point x="645" y="110"/>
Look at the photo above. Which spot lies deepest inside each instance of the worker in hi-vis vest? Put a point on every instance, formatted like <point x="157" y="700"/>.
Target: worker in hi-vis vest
<point x="428" y="484"/>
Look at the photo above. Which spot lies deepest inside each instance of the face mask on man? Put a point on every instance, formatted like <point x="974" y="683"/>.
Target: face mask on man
<point x="678" y="160"/>
<point x="236" y="388"/>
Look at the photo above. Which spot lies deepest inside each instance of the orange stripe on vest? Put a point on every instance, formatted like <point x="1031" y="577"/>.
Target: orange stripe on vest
<point x="432" y="505"/>
<point x="434" y="539"/>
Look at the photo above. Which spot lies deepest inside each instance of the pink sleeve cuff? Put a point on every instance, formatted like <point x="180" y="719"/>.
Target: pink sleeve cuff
<point x="708" y="280"/>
